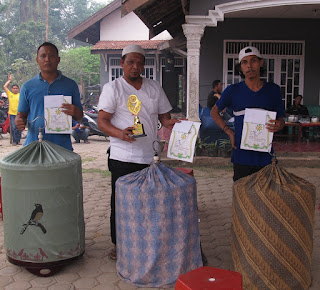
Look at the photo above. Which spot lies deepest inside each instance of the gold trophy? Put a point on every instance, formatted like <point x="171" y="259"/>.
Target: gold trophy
<point x="134" y="106"/>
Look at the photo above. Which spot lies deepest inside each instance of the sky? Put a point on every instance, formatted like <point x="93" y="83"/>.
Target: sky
<point x="102" y="1"/>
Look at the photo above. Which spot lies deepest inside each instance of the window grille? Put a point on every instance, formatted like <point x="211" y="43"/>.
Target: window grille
<point x="115" y="69"/>
<point x="283" y="64"/>
<point x="268" y="48"/>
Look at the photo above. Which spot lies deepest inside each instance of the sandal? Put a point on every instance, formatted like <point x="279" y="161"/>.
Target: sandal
<point x="113" y="254"/>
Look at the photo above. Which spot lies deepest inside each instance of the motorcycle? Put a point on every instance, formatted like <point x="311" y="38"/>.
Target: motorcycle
<point x="92" y="116"/>
<point x="4" y="117"/>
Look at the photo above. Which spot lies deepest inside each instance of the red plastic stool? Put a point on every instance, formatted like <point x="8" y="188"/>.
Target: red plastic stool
<point x="209" y="278"/>
<point x="186" y="170"/>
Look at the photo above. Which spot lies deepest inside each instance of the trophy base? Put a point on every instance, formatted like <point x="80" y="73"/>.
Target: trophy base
<point x="138" y="131"/>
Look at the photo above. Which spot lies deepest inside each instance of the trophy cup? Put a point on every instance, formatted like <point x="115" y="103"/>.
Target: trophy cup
<point x="134" y="106"/>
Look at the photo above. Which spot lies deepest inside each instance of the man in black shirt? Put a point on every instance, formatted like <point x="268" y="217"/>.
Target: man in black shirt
<point x="215" y="94"/>
<point x="297" y="108"/>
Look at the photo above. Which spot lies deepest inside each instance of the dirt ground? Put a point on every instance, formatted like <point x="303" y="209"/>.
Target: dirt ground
<point x="94" y="160"/>
<point x="95" y="270"/>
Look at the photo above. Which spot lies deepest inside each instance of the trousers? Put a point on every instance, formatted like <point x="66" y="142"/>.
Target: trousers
<point x="118" y="169"/>
<point x="15" y="133"/>
<point x="240" y="170"/>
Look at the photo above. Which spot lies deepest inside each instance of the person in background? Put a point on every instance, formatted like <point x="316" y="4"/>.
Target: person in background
<point x="13" y="97"/>
<point x="301" y="111"/>
<point x="129" y="154"/>
<point x="253" y="92"/>
<point x="80" y="131"/>
<point x="50" y="81"/>
<point x="297" y="108"/>
<point x="215" y="94"/>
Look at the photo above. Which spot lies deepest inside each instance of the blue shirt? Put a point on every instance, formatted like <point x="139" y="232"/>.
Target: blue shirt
<point x="239" y="97"/>
<point x="84" y="121"/>
<point x="32" y="102"/>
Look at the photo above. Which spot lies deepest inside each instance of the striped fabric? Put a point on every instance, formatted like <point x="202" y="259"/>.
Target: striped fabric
<point x="157" y="226"/>
<point x="272" y="230"/>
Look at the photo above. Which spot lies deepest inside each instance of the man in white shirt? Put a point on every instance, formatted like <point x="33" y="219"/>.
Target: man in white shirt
<point x="127" y="152"/>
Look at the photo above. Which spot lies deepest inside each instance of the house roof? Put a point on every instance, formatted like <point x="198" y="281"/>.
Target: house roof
<point x="89" y="30"/>
<point x="157" y="15"/>
<point x="112" y="46"/>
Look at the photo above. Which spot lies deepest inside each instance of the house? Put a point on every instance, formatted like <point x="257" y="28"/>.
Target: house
<point x="211" y="33"/>
<point x="109" y="32"/>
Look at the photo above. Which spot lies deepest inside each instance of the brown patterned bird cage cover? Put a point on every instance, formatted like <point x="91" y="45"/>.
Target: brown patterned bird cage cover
<point x="272" y="229"/>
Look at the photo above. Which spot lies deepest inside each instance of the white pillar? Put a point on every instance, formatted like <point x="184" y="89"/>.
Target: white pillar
<point x="193" y="34"/>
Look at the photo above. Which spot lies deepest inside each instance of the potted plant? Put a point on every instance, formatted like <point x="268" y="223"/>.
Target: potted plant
<point x="212" y="149"/>
<point x="225" y="147"/>
<point x="199" y="147"/>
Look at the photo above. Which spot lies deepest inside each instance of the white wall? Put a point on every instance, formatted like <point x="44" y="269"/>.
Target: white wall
<point x="130" y="27"/>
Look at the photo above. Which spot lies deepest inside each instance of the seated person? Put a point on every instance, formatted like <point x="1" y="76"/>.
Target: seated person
<point x="80" y="131"/>
<point x="300" y="110"/>
<point x="297" y="108"/>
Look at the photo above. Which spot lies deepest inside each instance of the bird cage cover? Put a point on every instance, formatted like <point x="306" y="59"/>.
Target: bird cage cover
<point x="156" y="226"/>
<point x="272" y="230"/>
<point x="42" y="203"/>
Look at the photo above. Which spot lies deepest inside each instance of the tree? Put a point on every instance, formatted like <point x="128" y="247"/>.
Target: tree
<point x="80" y="64"/>
<point x="70" y="13"/>
<point x="31" y="34"/>
<point x="32" y="10"/>
<point x="24" y="70"/>
<point x="23" y="29"/>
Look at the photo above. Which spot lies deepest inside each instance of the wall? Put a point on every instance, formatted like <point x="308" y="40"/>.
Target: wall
<point x="129" y="27"/>
<point x="211" y="54"/>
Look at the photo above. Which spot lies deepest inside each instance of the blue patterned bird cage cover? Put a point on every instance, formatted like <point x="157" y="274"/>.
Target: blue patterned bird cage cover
<point x="157" y="226"/>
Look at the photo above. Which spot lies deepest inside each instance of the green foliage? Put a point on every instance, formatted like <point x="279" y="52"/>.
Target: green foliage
<point x="23" y="29"/>
<point x="212" y="145"/>
<point x="23" y="70"/>
<point x="103" y="173"/>
<point x="199" y="143"/>
<point x="69" y="13"/>
<point x="31" y="35"/>
<point x="225" y="144"/>
<point x="78" y="63"/>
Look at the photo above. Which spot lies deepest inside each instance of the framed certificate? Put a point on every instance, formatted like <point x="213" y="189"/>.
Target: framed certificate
<point x="255" y="136"/>
<point x="57" y="122"/>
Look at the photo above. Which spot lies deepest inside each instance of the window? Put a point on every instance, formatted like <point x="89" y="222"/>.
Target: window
<point x="116" y="69"/>
<point x="149" y="68"/>
<point x="284" y="64"/>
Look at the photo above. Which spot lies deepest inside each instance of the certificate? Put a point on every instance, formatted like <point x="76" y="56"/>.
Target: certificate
<point x="57" y="121"/>
<point x="182" y="140"/>
<point x="255" y="136"/>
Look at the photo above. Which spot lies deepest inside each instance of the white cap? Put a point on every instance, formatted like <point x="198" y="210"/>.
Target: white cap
<point x="133" y="48"/>
<point x="248" y="50"/>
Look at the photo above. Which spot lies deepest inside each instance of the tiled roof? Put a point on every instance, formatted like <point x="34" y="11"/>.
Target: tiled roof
<point x="120" y="44"/>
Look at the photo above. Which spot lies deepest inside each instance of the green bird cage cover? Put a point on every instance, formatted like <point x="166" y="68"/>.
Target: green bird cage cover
<point x="42" y="203"/>
<point x="272" y="229"/>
